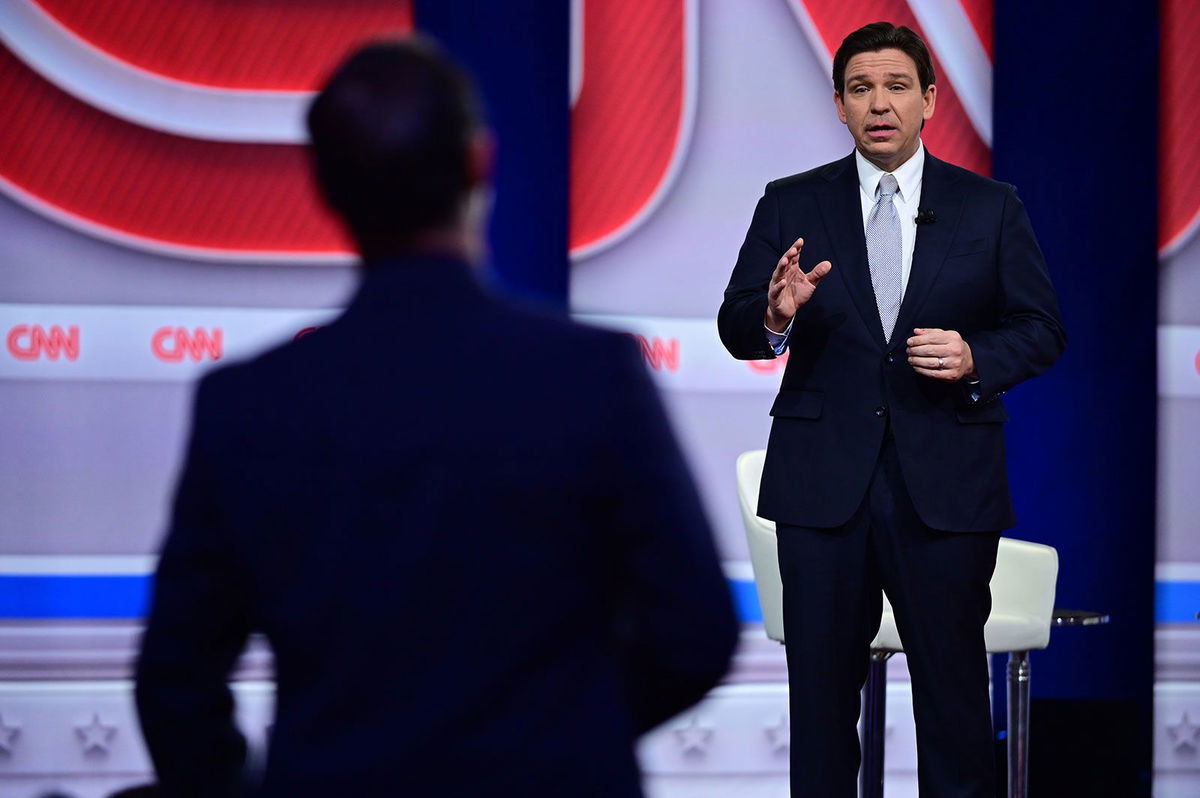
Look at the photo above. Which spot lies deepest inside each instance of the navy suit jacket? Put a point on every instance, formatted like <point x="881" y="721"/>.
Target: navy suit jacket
<point x="977" y="269"/>
<point x="469" y="537"/>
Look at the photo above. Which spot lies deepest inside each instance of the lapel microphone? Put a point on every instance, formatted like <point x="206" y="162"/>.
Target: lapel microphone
<point x="925" y="216"/>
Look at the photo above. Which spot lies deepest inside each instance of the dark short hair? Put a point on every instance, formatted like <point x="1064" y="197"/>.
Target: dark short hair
<point x="883" y="36"/>
<point x="390" y="133"/>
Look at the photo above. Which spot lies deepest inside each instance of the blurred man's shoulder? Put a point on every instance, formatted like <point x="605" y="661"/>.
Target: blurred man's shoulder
<point x="555" y="328"/>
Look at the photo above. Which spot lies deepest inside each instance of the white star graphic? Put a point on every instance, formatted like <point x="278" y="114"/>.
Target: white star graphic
<point x="779" y="734"/>
<point x="1185" y="735"/>
<point x="95" y="735"/>
<point x="693" y="738"/>
<point x="8" y="736"/>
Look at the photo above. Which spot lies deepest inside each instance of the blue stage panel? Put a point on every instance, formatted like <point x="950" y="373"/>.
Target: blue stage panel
<point x="1176" y="602"/>
<point x="42" y="596"/>
<point x="126" y="596"/>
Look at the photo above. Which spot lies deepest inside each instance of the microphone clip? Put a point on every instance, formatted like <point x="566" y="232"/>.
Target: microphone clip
<point x="925" y="216"/>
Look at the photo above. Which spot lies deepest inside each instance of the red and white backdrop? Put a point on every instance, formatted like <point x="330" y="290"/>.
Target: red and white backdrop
<point x="159" y="217"/>
<point x="1177" y="687"/>
<point x="156" y="217"/>
<point x="1179" y="295"/>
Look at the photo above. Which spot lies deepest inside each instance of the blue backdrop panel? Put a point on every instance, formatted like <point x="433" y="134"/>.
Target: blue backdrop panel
<point x="519" y="54"/>
<point x="1075" y="131"/>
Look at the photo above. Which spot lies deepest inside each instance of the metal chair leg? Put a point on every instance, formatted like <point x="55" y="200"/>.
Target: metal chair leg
<point x="1018" y="724"/>
<point x="874" y="725"/>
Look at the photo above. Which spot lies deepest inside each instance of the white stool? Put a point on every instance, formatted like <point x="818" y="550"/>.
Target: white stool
<point x="1022" y="613"/>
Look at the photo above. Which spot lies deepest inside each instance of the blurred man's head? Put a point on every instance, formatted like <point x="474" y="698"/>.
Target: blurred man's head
<point x="401" y="150"/>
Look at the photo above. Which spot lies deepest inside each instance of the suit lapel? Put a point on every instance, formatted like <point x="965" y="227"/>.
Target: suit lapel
<point x="940" y="194"/>
<point x="841" y="210"/>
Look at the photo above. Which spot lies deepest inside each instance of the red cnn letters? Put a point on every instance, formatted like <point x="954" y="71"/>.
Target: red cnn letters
<point x="32" y="341"/>
<point x="657" y="353"/>
<point x="173" y="344"/>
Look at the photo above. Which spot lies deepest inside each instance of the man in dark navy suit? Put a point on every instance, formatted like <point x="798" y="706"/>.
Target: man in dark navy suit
<point x="911" y="294"/>
<point x="465" y="529"/>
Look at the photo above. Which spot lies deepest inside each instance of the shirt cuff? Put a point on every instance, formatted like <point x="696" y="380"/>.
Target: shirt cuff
<point x="779" y="341"/>
<point x="974" y="392"/>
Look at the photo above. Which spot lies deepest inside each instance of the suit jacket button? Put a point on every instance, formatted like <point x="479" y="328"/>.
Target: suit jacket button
<point x="881" y="411"/>
<point x="891" y="358"/>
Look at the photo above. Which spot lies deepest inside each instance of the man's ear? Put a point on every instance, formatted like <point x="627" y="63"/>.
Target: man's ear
<point x="841" y="109"/>
<point x="481" y="158"/>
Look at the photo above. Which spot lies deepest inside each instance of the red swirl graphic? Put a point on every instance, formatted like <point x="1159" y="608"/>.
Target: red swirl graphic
<point x="627" y="121"/>
<point x="1179" y="117"/>
<point x="280" y="45"/>
<point x="240" y="198"/>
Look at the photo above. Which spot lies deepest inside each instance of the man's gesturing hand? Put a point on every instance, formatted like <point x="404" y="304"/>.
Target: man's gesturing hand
<point x="791" y="288"/>
<point x="941" y="354"/>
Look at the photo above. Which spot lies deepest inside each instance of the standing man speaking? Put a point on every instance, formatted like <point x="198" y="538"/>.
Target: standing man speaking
<point x="911" y="294"/>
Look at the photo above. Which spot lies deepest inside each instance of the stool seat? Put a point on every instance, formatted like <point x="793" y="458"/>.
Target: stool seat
<point x="1022" y="601"/>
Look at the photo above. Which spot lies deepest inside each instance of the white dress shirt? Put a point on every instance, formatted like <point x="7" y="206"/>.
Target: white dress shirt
<point x="907" y="200"/>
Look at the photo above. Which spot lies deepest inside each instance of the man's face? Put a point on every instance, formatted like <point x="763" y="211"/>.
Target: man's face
<point x="883" y="107"/>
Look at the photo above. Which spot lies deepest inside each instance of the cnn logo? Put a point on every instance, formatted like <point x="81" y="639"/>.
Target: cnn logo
<point x="33" y="341"/>
<point x="657" y="353"/>
<point x="173" y="344"/>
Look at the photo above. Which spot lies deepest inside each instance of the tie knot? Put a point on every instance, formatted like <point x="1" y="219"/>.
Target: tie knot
<point x="887" y="186"/>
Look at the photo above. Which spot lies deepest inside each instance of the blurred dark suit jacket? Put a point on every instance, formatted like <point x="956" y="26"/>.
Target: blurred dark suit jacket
<point x="468" y="535"/>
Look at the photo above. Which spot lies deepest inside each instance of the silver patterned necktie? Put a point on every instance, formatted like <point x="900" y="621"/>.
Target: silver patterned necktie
<point x="883" y="254"/>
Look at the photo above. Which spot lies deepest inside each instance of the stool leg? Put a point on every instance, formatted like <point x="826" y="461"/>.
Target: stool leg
<point x="1018" y="724"/>
<point x="874" y="725"/>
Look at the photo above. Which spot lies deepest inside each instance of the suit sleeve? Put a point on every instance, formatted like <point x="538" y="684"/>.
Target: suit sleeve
<point x="740" y="319"/>
<point x="674" y="616"/>
<point x="1030" y="334"/>
<point x="195" y="631"/>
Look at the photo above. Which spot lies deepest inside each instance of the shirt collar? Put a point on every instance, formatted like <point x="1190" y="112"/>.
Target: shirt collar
<point x="908" y="174"/>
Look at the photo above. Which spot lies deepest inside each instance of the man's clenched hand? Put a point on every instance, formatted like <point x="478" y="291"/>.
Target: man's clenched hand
<point x="940" y="354"/>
